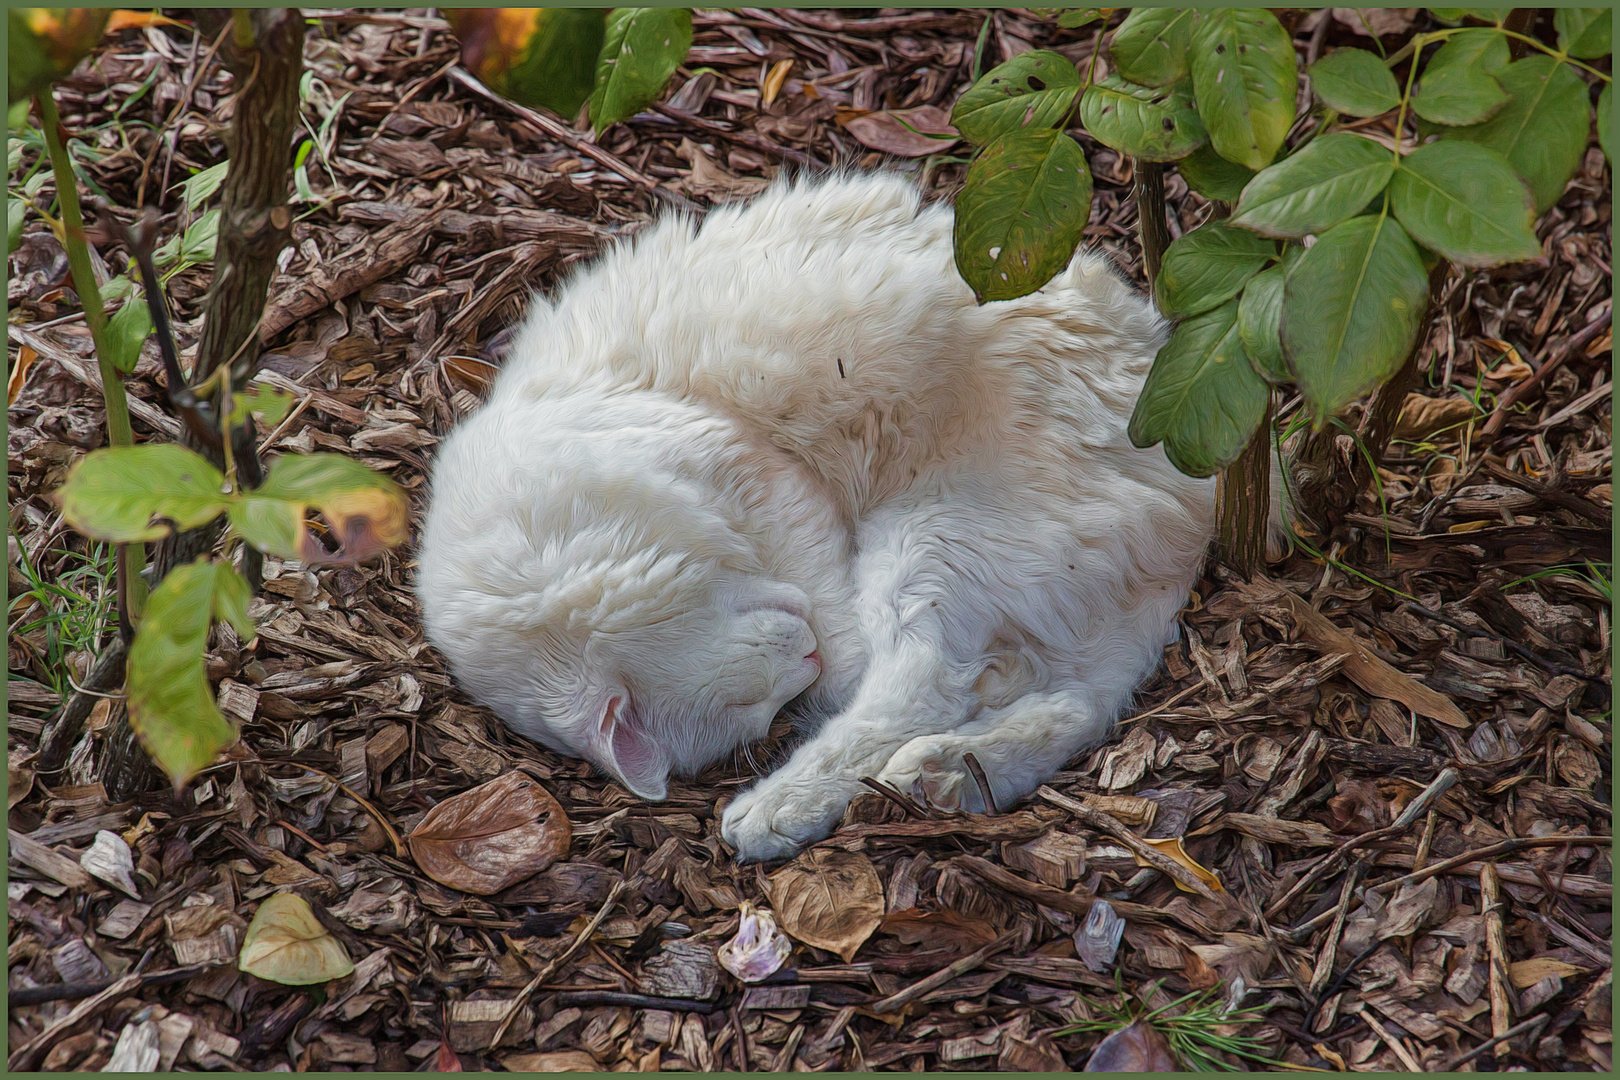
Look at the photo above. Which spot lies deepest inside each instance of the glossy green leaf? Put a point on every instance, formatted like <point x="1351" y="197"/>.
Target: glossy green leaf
<point x="1259" y="324"/>
<point x="1352" y="307"/>
<point x="1202" y="399"/>
<point x="1542" y="129"/>
<point x="1208" y="266"/>
<point x="200" y="186"/>
<point x="126" y="333"/>
<point x="1465" y="202"/>
<point x="1584" y="33"/>
<point x="1355" y="82"/>
<point x="1020" y="215"/>
<point x="641" y="49"/>
<point x="1033" y="90"/>
<point x="171" y="708"/>
<point x="1458" y="85"/>
<point x="1244" y="73"/>
<point x="1605" y="118"/>
<point x="1150" y="46"/>
<point x="1151" y="124"/>
<point x="1212" y="176"/>
<point x="367" y="510"/>
<point x="1331" y="179"/>
<point x="115" y="493"/>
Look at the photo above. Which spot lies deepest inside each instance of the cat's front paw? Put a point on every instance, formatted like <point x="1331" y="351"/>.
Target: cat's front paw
<point x="930" y="769"/>
<point x="775" y="818"/>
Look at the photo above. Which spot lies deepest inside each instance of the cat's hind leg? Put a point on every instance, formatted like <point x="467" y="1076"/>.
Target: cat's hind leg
<point x="1019" y="747"/>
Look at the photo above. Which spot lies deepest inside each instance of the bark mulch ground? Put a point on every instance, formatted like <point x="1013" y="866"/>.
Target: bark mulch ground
<point x="1458" y="620"/>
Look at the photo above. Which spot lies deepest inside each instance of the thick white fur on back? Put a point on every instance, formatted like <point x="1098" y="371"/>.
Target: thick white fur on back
<point x="784" y="455"/>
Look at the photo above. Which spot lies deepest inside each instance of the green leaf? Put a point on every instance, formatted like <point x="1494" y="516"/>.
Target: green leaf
<point x="1151" y="124"/>
<point x="1033" y="90"/>
<point x="1202" y="399"/>
<point x="1465" y="202"/>
<point x="1331" y="179"/>
<point x="1150" y="46"/>
<point x="1355" y="82"/>
<point x="1244" y="71"/>
<point x="1458" y="86"/>
<point x="202" y="185"/>
<point x="115" y="492"/>
<point x="536" y="56"/>
<point x="1605" y="117"/>
<point x="171" y="709"/>
<point x="641" y="49"/>
<point x="1584" y="32"/>
<point x="1542" y="129"/>
<point x="1352" y="307"/>
<point x="1208" y="266"/>
<point x="46" y="44"/>
<point x="367" y="510"/>
<point x="16" y="214"/>
<point x="1456" y="15"/>
<point x="1212" y="176"/>
<point x="1078" y="17"/>
<point x="271" y="405"/>
<point x="1020" y="215"/>
<point x="1259" y="324"/>
<point x="126" y="333"/>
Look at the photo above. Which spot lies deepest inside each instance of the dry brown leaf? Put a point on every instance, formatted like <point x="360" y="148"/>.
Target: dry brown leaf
<point x="831" y="900"/>
<point x="1171" y="846"/>
<point x="1376" y="22"/>
<point x="938" y="929"/>
<point x="890" y="130"/>
<point x="1422" y="417"/>
<point x="493" y="836"/>
<point x="1526" y="973"/>
<point x="712" y="180"/>
<point x="772" y="84"/>
<point x="19" y="776"/>
<point x="1510" y="367"/>
<point x="1137" y="1047"/>
<point x="19" y="374"/>
<point x="470" y="373"/>
<point x="285" y="943"/>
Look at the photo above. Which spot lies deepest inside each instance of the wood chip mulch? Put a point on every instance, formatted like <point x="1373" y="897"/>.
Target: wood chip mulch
<point x="1460" y="620"/>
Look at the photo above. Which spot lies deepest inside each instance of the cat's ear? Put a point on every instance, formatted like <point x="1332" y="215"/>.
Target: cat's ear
<point x="631" y="752"/>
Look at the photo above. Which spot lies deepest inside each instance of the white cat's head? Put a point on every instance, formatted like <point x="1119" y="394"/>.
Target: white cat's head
<point x="601" y="602"/>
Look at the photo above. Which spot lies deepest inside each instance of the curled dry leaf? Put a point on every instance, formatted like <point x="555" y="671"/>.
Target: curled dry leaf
<point x="286" y="944"/>
<point x="758" y="949"/>
<point x="1137" y="1047"/>
<point x="1171" y="846"/>
<point x="110" y="859"/>
<point x="831" y="900"/>
<point x="904" y="132"/>
<point x="493" y="836"/>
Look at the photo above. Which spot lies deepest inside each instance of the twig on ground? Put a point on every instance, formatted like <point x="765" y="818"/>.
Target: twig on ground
<point x="555" y="964"/>
<point x="901" y="998"/>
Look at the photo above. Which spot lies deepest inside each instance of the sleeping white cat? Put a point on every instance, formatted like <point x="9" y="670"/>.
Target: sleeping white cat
<point x="784" y="455"/>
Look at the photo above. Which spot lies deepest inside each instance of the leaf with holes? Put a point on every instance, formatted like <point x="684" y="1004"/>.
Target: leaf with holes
<point x="1151" y="124"/>
<point x="1021" y="213"/>
<point x="829" y="900"/>
<point x="1150" y="46"/>
<point x="1355" y="82"/>
<point x="1465" y="202"/>
<point x="1584" y="33"/>
<point x="1244" y="71"/>
<point x="1208" y="266"/>
<point x="1458" y="85"/>
<point x="1212" y="176"/>
<point x="1352" y="307"/>
<point x="1332" y="178"/>
<point x="641" y="49"/>
<point x="115" y="493"/>
<point x="367" y="510"/>
<point x="1202" y="399"/>
<point x="171" y="709"/>
<point x="1033" y="90"/>
<point x="1542" y="129"/>
<point x="495" y="835"/>
<point x="1259" y="322"/>
<point x="537" y="56"/>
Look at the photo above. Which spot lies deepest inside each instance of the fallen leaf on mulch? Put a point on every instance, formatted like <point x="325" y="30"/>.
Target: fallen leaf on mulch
<point x="832" y="900"/>
<point x="938" y="929"/>
<point x="891" y="130"/>
<point x="1171" y="846"/>
<point x="285" y="943"/>
<point x="714" y="181"/>
<point x="493" y="836"/>
<point x="1423" y="416"/>
<point x="1137" y="1047"/>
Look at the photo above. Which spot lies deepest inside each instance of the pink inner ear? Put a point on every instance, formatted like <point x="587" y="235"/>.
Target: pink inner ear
<point x="638" y="758"/>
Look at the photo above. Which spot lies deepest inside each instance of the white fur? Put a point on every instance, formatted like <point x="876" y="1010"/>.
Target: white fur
<point x="674" y="495"/>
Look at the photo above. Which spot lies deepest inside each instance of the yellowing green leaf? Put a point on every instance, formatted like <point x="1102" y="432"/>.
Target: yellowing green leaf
<point x="641" y="49"/>
<point x="1332" y="178"/>
<point x="1151" y="124"/>
<point x="115" y="493"/>
<point x="1355" y="82"/>
<point x="1352" y="307"/>
<point x="367" y="510"/>
<point x="1020" y="216"/>
<point x="1150" y="46"/>
<point x="1244" y="71"/>
<point x="1465" y="202"/>
<point x="1208" y="266"/>
<point x="1202" y="398"/>
<point x="287" y="944"/>
<point x="1033" y="90"/>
